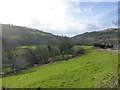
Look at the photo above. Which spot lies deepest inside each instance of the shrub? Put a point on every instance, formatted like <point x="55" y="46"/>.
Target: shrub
<point x="77" y="50"/>
<point x="58" y="58"/>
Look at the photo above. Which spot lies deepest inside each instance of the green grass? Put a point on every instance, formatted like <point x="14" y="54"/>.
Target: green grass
<point x="87" y="71"/>
<point x="107" y="30"/>
<point x="85" y="47"/>
<point x="31" y="46"/>
<point x="15" y="36"/>
<point x="38" y="33"/>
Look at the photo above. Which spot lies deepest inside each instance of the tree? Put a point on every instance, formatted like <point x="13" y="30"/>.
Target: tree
<point x="42" y="54"/>
<point x="115" y="22"/>
<point x="64" y="44"/>
<point x="77" y="50"/>
<point x="30" y="55"/>
<point x="11" y="54"/>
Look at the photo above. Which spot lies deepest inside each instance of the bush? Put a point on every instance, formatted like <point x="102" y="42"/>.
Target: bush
<point x="58" y="58"/>
<point x="63" y="57"/>
<point x="42" y="54"/>
<point x="53" y="51"/>
<point x="77" y="50"/>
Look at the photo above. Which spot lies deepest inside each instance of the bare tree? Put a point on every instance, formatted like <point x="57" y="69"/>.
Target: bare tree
<point x="11" y="55"/>
<point x="115" y="22"/>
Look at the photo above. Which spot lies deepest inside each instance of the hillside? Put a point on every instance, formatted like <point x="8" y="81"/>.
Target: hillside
<point x="108" y="36"/>
<point x="48" y="61"/>
<point x="18" y="36"/>
<point x="23" y="36"/>
<point x="86" y="71"/>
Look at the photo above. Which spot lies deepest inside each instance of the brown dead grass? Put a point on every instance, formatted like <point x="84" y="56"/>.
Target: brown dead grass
<point x="107" y="51"/>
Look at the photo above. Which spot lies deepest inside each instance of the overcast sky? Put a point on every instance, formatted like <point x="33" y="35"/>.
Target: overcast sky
<point x="59" y="17"/>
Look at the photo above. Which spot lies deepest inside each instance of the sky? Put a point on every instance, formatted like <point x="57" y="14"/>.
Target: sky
<point x="67" y="18"/>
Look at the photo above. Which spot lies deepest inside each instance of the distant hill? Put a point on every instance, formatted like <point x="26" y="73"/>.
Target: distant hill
<point x="17" y="36"/>
<point x="108" y="36"/>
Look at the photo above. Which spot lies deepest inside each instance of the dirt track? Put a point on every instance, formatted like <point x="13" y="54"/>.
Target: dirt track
<point x="107" y="50"/>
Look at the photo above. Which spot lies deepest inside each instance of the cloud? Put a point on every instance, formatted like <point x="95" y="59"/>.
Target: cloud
<point x="77" y="10"/>
<point x="92" y="0"/>
<point x="71" y="28"/>
<point x="54" y="16"/>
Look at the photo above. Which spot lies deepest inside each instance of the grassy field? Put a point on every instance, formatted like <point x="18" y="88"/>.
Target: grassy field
<point x="38" y="33"/>
<point x="86" y="47"/>
<point x="32" y="46"/>
<point x="94" y="69"/>
<point x="15" y="37"/>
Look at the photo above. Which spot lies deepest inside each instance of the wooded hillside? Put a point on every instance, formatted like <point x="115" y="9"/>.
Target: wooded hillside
<point x="108" y="36"/>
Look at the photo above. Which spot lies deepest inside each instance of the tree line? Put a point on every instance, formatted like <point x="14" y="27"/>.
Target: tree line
<point x="41" y="54"/>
